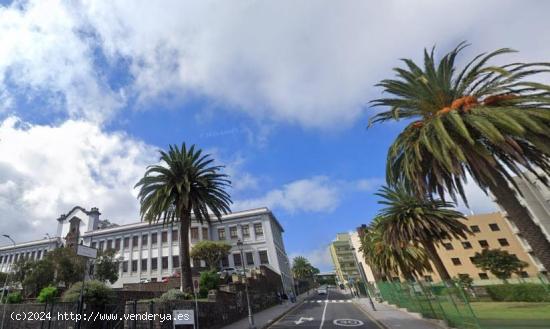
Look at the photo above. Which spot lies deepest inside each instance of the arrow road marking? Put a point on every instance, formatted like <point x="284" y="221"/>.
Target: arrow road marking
<point x="302" y="320"/>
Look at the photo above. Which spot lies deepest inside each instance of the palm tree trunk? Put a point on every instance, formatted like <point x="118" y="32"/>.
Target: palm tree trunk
<point x="186" y="279"/>
<point x="519" y="215"/>
<point x="431" y="251"/>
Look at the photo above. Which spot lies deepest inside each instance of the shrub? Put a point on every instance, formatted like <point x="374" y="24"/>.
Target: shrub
<point x="209" y="280"/>
<point x="14" y="298"/>
<point x="47" y="294"/>
<point x="203" y="292"/>
<point x="96" y="293"/>
<point x="523" y="292"/>
<point x="173" y="294"/>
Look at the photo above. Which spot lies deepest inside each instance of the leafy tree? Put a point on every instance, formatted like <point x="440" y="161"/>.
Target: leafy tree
<point x="209" y="280"/>
<point x="486" y="122"/>
<point x="67" y="265"/>
<point x="21" y="268"/>
<point x="408" y="218"/>
<point x="211" y="251"/>
<point x="47" y="294"/>
<point x="39" y="275"/>
<point x="96" y="293"/>
<point x="499" y="262"/>
<point x="106" y="266"/>
<point x="301" y="268"/>
<point x="185" y="183"/>
<point x="388" y="261"/>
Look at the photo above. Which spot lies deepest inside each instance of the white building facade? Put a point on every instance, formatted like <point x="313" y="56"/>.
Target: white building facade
<point x="151" y="251"/>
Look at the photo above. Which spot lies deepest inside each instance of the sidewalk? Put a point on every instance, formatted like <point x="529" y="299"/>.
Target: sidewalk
<point x="393" y="318"/>
<point x="269" y="315"/>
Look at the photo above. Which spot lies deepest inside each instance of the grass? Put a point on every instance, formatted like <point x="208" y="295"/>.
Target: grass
<point x="512" y="315"/>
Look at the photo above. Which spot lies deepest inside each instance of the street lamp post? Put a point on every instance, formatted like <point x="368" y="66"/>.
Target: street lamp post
<point x="250" y="316"/>
<point x="363" y="277"/>
<point x="6" y="283"/>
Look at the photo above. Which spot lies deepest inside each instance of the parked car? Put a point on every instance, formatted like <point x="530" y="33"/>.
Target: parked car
<point x="144" y="281"/>
<point x="321" y="291"/>
<point x="228" y="271"/>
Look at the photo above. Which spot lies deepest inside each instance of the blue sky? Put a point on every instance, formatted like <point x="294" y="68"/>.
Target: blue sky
<point x="277" y="91"/>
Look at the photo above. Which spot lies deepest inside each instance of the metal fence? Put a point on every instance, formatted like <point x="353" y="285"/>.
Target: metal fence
<point x="434" y="301"/>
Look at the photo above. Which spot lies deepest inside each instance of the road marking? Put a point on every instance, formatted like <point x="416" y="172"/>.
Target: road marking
<point x="324" y="312"/>
<point x="302" y="320"/>
<point x="348" y="322"/>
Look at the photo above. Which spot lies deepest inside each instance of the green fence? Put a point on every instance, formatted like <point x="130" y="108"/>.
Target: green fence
<point x="434" y="301"/>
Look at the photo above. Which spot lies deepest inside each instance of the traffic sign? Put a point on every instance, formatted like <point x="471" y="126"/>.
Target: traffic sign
<point x="86" y="251"/>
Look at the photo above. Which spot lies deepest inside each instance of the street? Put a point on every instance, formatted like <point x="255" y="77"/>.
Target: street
<point x="334" y="310"/>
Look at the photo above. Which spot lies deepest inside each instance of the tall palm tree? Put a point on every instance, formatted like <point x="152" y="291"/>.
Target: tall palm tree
<point x="301" y="268"/>
<point x="388" y="261"/>
<point x="487" y="122"/>
<point x="408" y="218"/>
<point x="185" y="184"/>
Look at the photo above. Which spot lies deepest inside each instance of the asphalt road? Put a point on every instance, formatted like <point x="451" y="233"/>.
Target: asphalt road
<point x="333" y="311"/>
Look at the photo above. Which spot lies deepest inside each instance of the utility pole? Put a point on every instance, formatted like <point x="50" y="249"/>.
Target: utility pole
<point x="250" y="316"/>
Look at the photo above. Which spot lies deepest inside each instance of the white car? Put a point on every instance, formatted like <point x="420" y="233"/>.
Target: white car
<point x="321" y="291"/>
<point x="227" y="271"/>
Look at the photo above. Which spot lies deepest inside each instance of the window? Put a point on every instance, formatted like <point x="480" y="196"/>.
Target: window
<point x="258" y="229"/>
<point x="164" y="236"/>
<point x="466" y="245"/>
<point x="153" y="239"/>
<point x="221" y="234"/>
<point x="94" y="245"/>
<point x="263" y="257"/>
<point x="428" y="278"/>
<point x="233" y="232"/>
<point x="117" y="244"/>
<point x="32" y="255"/>
<point x="503" y="242"/>
<point x="463" y="276"/>
<point x="448" y="246"/>
<point x="125" y="266"/>
<point x="494" y="227"/>
<point x="153" y="279"/>
<point x="126" y="242"/>
<point x="39" y="253"/>
<point x="249" y="258"/>
<point x="135" y="241"/>
<point x="237" y="260"/>
<point x="175" y="261"/>
<point x="225" y="262"/>
<point x="483" y="276"/>
<point x="109" y="244"/>
<point x="196" y="262"/>
<point x="144" y="239"/>
<point x="134" y="265"/>
<point x="484" y="243"/>
<point x="246" y="231"/>
<point x="154" y="264"/>
<point x="456" y="261"/>
<point x="523" y="274"/>
<point x="165" y="262"/>
<point x="144" y="265"/>
<point x="194" y="233"/>
<point x="472" y="259"/>
<point x="175" y="236"/>
<point x="1" y="259"/>
<point x="205" y="233"/>
<point x="475" y="229"/>
<point x="101" y="245"/>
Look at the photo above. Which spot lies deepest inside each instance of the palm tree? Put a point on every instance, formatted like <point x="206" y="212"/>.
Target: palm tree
<point x="408" y="218"/>
<point x="186" y="183"/>
<point x="301" y="268"/>
<point x="388" y="261"/>
<point x="487" y="122"/>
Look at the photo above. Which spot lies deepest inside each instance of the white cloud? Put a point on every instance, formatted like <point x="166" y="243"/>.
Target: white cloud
<point x="46" y="170"/>
<point x="319" y="258"/>
<point x="478" y="201"/>
<point x="316" y="194"/>
<point x="369" y="184"/>
<point x="310" y="62"/>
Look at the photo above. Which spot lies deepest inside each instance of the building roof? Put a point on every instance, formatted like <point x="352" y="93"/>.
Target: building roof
<point x="27" y="244"/>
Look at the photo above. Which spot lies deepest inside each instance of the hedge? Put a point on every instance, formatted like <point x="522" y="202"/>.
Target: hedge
<point x="523" y="292"/>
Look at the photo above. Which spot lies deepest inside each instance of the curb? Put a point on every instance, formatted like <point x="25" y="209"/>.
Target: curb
<point x="379" y="323"/>
<point x="280" y="316"/>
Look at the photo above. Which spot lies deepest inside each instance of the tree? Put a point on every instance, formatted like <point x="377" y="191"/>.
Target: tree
<point x="499" y="262"/>
<point x="408" y="218"/>
<point x="21" y="268"/>
<point x="40" y="275"/>
<point x="106" y="266"/>
<point x="47" y="294"/>
<point x="301" y="268"/>
<point x="388" y="261"/>
<point x="96" y="293"/>
<point x="185" y="183"/>
<point x="212" y="252"/>
<point x="485" y="121"/>
<point x="68" y="267"/>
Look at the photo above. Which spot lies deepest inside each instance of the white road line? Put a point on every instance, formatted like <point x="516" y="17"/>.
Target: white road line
<point x="324" y="311"/>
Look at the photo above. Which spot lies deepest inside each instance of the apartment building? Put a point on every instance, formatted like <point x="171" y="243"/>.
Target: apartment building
<point x="151" y="251"/>
<point x="343" y="258"/>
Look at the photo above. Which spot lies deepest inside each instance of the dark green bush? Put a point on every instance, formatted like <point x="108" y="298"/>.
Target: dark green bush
<point x="203" y="292"/>
<point x="96" y="293"/>
<point x="209" y="280"/>
<point x="523" y="292"/>
<point x="14" y="298"/>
